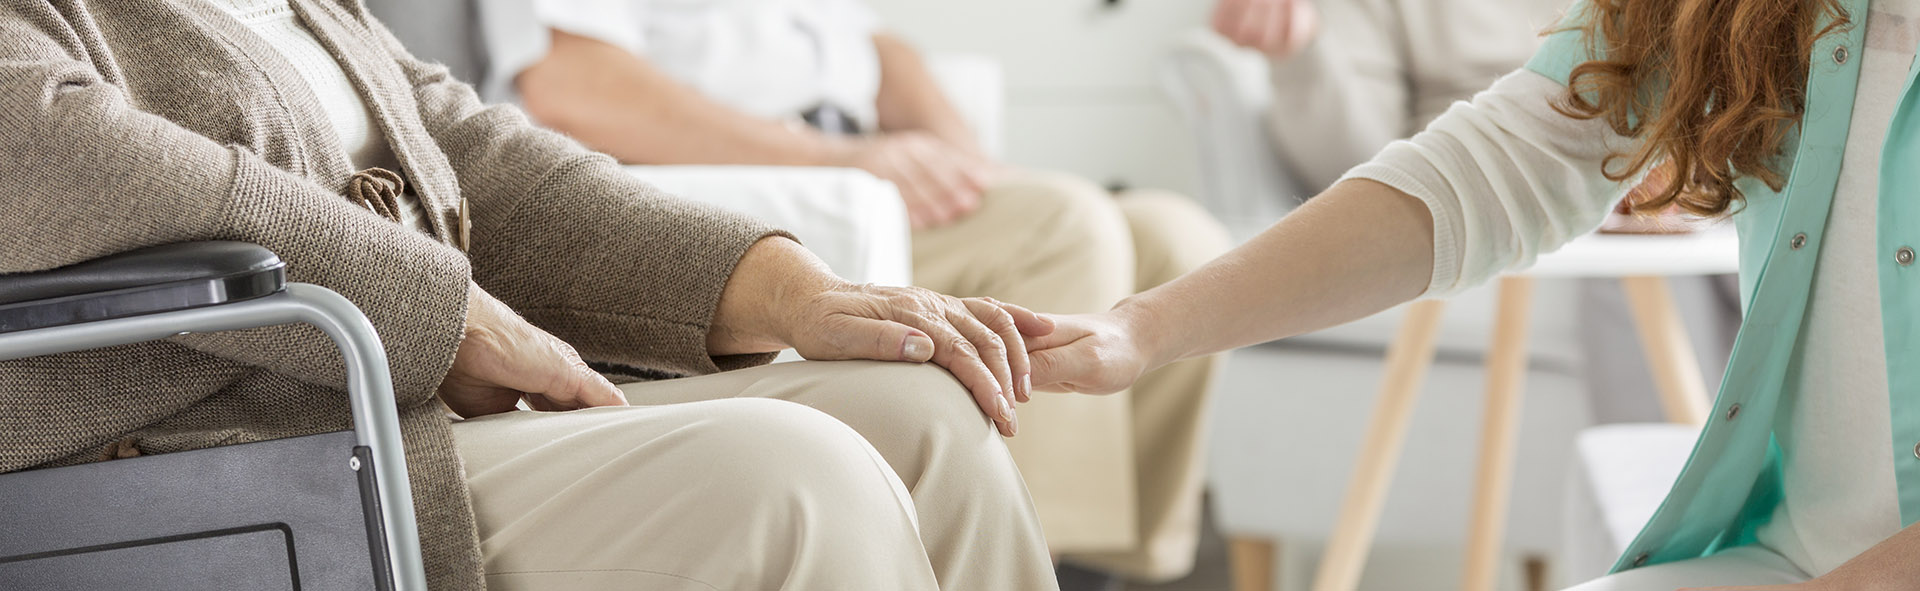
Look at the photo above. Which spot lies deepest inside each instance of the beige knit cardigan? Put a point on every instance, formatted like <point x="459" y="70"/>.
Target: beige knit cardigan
<point x="129" y="123"/>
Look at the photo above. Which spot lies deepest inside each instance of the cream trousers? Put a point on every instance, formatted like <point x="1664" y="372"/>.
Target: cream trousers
<point x="797" y="476"/>
<point x="1745" y="565"/>
<point x="1117" y="479"/>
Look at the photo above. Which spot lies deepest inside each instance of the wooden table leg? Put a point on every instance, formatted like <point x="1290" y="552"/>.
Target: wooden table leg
<point x="1407" y="361"/>
<point x="1499" y="428"/>
<point x="1676" y="370"/>
<point x="1252" y="560"/>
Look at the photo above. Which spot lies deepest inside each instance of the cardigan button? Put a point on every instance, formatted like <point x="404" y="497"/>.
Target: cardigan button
<point x="1840" y="54"/>
<point x="1904" y="256"/>
<point x="1916" y="450"/>
<point x="1733" y="411"/>
<point x="1798" y="241"/>
<point x="1640" y="561"/>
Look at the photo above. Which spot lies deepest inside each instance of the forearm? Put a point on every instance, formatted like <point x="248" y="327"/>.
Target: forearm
<point x="1360" y="248"/>
<point x="1891" y="565"/>
<point x="910" y="98"/>
<point x="618" y="103"/>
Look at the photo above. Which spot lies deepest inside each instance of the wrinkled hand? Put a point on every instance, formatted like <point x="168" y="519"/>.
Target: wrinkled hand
<point x="980" y="340"/>
<point x="940" y="183"/>
<point x="1278" y="28"/>
<point x="504" y="359"/>
<point x="1087" y="353"/>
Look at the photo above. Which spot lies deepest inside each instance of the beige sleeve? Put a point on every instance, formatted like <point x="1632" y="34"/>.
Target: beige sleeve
<point x="90" y="174"/>
<point x="627" y="274"/>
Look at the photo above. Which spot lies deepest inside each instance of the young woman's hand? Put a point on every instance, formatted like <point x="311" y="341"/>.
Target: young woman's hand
<point x="1278" y="28"/>
<point x="504" y="359"/>
<point x="1090" y="354"/>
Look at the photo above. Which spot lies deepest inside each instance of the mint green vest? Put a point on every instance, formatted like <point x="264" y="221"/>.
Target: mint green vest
<point x="1732" y="482"/>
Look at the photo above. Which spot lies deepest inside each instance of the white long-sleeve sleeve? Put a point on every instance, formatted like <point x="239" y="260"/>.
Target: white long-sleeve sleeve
<point x="1506" y="178"/>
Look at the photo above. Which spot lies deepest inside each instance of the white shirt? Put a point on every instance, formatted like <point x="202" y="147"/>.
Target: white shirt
<point x="774" y="59"/>
<point x="1506" y="178"/>
<point x="365" y="143"/>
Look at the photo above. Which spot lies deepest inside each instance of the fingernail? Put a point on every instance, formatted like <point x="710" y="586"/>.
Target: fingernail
<point x="1026" y="385"/>
<point x="917" y="349"/>
<point x="1006" y="410"/>
<point x="1013" y="422"/>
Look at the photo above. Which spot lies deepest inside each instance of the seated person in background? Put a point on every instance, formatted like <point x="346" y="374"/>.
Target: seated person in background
<point x="729" y="481"/>
<point x="816" y="83"/>
<point x="1352" y="75"/>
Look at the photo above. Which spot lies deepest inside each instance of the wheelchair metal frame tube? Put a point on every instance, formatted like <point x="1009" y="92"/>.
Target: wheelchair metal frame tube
<point x="369" y="385"/>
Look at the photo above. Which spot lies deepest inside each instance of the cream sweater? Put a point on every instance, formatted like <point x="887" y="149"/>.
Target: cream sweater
<point x="1506" y="178"/>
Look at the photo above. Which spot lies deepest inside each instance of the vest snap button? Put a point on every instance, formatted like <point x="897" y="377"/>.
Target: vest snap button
<point x="1641" y="560"/>
<point x="1840" y="54"/>
<point x="1916" y="450"/>
<point x="1733" y="411"/>
<point x="1904" y="256"/>
<point x="1798" y="241"/>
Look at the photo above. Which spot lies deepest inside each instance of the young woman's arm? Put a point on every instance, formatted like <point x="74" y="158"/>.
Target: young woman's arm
<point x="1489" y="186"/>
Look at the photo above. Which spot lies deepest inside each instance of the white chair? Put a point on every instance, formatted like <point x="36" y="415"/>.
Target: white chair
<point x="852" y="220"/>
<point x="1621" y="475"/>
<point x="1288" y="416"/>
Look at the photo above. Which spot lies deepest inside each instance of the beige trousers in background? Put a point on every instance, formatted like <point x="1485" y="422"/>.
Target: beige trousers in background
<point x="797" y="476"/>
<point x="1117" y="479"/>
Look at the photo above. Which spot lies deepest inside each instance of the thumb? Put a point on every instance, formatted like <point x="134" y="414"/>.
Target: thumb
<point x="1053" y="368"/>
<point x="578" y="386"/>
<point x="592" y="389"/>
<point x="1073" y="368"/>
<point x="868" y="338"/>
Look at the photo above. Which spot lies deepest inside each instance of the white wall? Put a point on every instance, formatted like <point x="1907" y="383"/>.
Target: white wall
<point x="1082" y="94"/>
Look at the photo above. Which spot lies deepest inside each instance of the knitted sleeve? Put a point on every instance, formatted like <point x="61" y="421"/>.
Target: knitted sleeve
<point x="88" y="174"/>
<point x="627" y="274"/>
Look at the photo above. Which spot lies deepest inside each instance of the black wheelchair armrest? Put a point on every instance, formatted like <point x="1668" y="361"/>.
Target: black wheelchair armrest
<point x="145" y="281"/>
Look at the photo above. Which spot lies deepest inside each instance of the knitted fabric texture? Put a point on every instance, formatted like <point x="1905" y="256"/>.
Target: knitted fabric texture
<point x="131" y="123"/>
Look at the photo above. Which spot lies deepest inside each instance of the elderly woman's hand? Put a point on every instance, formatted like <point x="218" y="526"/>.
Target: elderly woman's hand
<point x="782" y="296"/>
<point x="505" y="359"/>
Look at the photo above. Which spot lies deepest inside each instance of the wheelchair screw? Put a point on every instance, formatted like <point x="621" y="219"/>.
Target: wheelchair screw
<point x="354" y="463"/>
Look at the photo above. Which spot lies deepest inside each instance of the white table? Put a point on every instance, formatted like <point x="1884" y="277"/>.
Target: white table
<point x="1641" y="263"/>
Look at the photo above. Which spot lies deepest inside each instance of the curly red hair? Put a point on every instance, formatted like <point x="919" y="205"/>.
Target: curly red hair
<point x="1711" y="88"/>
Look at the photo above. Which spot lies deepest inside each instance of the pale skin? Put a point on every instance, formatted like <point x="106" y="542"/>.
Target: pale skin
<point x="621" y="104"/>
<point x="1278" y="28"/>
<point x="779" y="296"/>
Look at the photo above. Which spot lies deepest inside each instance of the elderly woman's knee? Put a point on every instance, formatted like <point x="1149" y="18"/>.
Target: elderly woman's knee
<point x="908" y="406"/>
<point x="761" y="448"/>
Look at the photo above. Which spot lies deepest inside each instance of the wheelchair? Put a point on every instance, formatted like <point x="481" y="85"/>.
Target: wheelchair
<point x="319" y="512"/>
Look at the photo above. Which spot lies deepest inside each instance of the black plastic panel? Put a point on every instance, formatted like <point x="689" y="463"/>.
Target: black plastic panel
<point x="251" y="559"/>
<point x="229" y="510"/>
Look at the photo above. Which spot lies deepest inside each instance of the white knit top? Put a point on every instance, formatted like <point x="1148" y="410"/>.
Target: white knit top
<point x="350" y="116"/>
